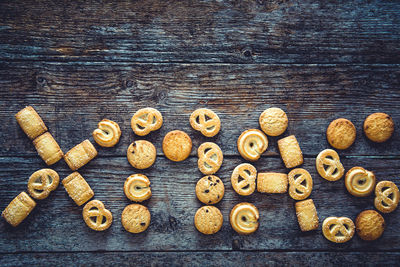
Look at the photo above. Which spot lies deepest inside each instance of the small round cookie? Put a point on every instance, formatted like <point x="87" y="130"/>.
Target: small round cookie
<point x="243" y="179"/>
<point x="251" y="144"/>
<point x="378" y="127"/>
<point x="387" y="196"/>
<point x="206" y="121"/>
<point x="42" y="182"/>
<point x="210" y="189"/>
<point x="210" y="158"/>
<point x="338" y="229"/>
<point x="135" y="218"/>
<point x="177" y="145"/>
<point x="96" y="216"/>
<point x="107" y="133"/>
<point x="273" y="121"/>
<point x="146" y="120"/>
<point x="244" y="218"/>
<point x="359" y="182"/>
<point x="208" y="220"/>
<point x="141" y="154"/>
<point x="341" y="133"/>
<point x="370" y="225"/>
<point x="137" y="187"/>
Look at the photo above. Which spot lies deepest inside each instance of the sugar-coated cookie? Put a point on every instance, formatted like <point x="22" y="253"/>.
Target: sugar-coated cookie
<point x="378" y="127"/>
<point x="96" y="216"/>
<point x="307" y="215"/>
<point x="18" y="209"/>
<point x="42" y="182"/>
<point x="210" y="158"/>
<point x="386" y="196"/>
<point x="205" y="121"/>
<point x="338" y="229"/>
<point x="208" y="220"/>
<point x="107" y="134"/>
<point x="244" y="218"/>
<point x="141" y="154"/>
<point x="146" y="120"/>
<point x="135" y="218"/>
<point x="328" y="165"/>
<point x="341" y="133"/>
<point x="370" y="225"/>
<point x="290" y="151"/>
<point x="210" y="189"/>
<point x="273" y="121"/>
<point x="272" y="182"/>
<point x="80" y="155"/>
<point x="48" y="148"/>
<point x="243" y="179"/>
<point x="77" y="188"/>
<point x="300" y="184"/>
<point x="137" y="187"/>
<point x="359" y="182"/>
<point x="31" y="123"/>
<point x="177" y="145"/>
<point x="251" y="144"/>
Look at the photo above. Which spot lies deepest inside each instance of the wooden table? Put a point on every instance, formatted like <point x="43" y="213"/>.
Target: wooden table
<point x="78" y="62"/>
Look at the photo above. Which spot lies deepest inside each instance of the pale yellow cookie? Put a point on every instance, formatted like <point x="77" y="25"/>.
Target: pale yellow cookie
<point x="177" y="145"/>
<point x="338" y="229"/>
<point x="370" y="225"/>
<point x="77" y="188"/>
<point x="135" y="218"/>
<point x="243" y="179"/>
<point x="386" y="196"/>
<point x="273" y="121"/>
<point x="146" y="120"/>
<point x="42" y="182"/>
<point x="244" y="218"/>
<point x="141" y="154"/>
<point x="290" y="151"/>
<point x="251" y="144"/>
<point x="80" y="155"/>
<point x="48" y="148"/>
<point x="307" y="215"/>
<point x="205" y="121"/>
<point x="378" y="127"/>
<point x="210" y="189"/>
<point x="18" y="209"/>
<point x="30" y="122"/>
<point x="107" y="134"/>
<point x="137" y="187"/>
<point x="210" y="158"/>
<point x="328" y="165"/>
<point x="272" y="182"/>
<point x="359" y="182"/>
<point x="341" y="133"/>
<point x="300" y="184"/>
<point x="208" y="220"/>
<point x="96" y="216"/>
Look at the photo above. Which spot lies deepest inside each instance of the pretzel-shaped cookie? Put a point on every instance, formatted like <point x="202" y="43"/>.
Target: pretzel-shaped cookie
<point x="329" y="165"/>
<point x="137" y="187"/>
<point x="244" y="218"/>
<point x="300" y="183"/>
<point x="338" y="229"/>
<point x="251" y="144"/>
<point x="94" y="212"/>
<point x="42" y="182"/>
<point x="387" y="196"/>
<point x="205" y="121"/>
<point x="107" y="134"/>
<point x="210" y="158"/>
<point x="243" y="179"/>
<point x="146" y="120"/>
<point x="359" y="182"/>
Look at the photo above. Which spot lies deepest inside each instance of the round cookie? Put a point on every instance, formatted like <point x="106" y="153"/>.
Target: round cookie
<point x="137" y="187"/>
<point x="208" y="220"/>
<point x="177" y="145"/>
<point x="378" y="127"/>
<point x="341" y="133"/>
<point x="141" y="154"/>
<point x="135" y="218"/>
<point x="244" y="218"/>
<point x="210" y="189"/>
<point x="370" y="225"/>
<point x="273" y="121"/>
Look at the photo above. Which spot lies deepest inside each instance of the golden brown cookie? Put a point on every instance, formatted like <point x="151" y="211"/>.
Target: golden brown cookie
<point x="244" y="218"/>
<point x="272" y="182"/>
<point x="370" y="225"/>
<point x="80" y="155"/>
<point x="137" y="187"/>
<point x="328" y="165"/>
<point x="30" y="122"/>
<point x="243" y="179"/>
<point x="48" y="148"/>
<point x="341" y="133"/>
<point x="386" y="196"/>
<point x="135" y="218"/>
<point x="210" y="158"/>
<point x="359" y="182"/>
<point x="378" y="127"/>
<point x="300" y="184"/>
<point x="96" y="216"/>
<point x="251" y="144"/>
<point x="273" y="121"/>
<point x="146" y="120"/>
<point x="208" y="220"/>
<point x="307" y="215"/>
<point x="18" y="209"/>
<point x="290" y="151"/>
<point x="338" y="229"/>
<point x="141" y="154"/>
<point x="42" y="182"/>
<point x="205" y="121"/>
<point x="210" y="189"/>
<point x="107" y="134"/>
<point x="177" y="145"/>
<point x="77" y="188"/>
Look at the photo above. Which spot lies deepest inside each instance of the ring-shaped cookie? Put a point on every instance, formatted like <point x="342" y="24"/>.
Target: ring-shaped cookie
<point x="146" y="120"/>
<point x="300" y="184"/>
<point x="338" y="229"/>
<point x="210" y="158"/>
<point x="137" y="187"/>
<point x="251" y="144"/>
<point x="244" y="218"/>
<point x="96" y="216"/>
<point x="205" y="121"/>
<point x="42" y="182"/>
<point x="243" y="179"/>
<point x="359" y="182"/>
<point x="328" y="165"/>
<point x="107" y="134"/>
<point x="386" y="196"/>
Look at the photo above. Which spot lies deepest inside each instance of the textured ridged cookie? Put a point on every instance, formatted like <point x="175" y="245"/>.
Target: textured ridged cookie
<point x="210" y="189"/>
<point x="80" y="155"/>
<point x="273" y="121"/>
<point x="338" y="229"/>
<point x="208" y="220"/>
<point x="307" y="215"/>
<point x="290" y="151"/>
<point x="210" y="158"/>
<point x="48" y="148"/>
<point x="272" y="182"/>
<point x="31" y="123"/>
<point x="135" y="218"/>
<point x="18" y="209"/>
<point x="42" y="182"/>
<point x="96" y="216"/>
<point x="378" y="127"/>
<point x="359" y="182"/>
<point x="243" y="179"/>
<point x="137" y="187"/>
<point x="141" y="154"/>
<point x="107" y="134"/>
<point x="177" y="145"/>
<point x="244" y="218"/>
<point x="77" y="188"/>
<point x="370" y="225"/>
<point x="251" y="144"/>
<point x="205" y="121"/>
<point x="146" y="120"/>
<point x="341" y="133"/>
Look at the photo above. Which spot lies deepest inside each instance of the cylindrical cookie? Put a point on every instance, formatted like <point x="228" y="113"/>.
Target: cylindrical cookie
<point x="208" y="220"/>
<point x="80" y="155"/>
<point x="31" y="123"/>
<point x="141" y="154"/>
<point x="48" y="148"/>
<point x="18" y="209"/>
<point x="210" y="189"/>
<point x="135" y="218"/>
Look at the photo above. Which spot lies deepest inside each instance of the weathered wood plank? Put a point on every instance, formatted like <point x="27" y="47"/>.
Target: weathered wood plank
<point x="73" y="98"/>
<point x="274" y="31"/>
<point x="56" y="224"/>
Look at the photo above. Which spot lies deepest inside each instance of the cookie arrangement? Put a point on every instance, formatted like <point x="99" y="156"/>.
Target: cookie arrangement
<point x="245" y="179"/>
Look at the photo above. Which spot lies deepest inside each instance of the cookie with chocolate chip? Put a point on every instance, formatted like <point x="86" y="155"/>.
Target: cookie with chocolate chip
<point x="135" y="218"/>
<point x="210" y="189"/>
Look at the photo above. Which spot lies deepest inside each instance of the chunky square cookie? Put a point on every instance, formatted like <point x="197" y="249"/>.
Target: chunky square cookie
<point x="272" y="182"/>
<point x="48" y="148"/>
<point x="290" y="151"/>
<point x="30" y="122"/>
<point x="307" y="215"/>
<point x="18" y="209"/>
<point x="80" y="155"/>
<point x="77" y="188"/>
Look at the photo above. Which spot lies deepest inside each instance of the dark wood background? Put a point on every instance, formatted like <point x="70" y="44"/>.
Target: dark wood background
<point x="78" y="62"/>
